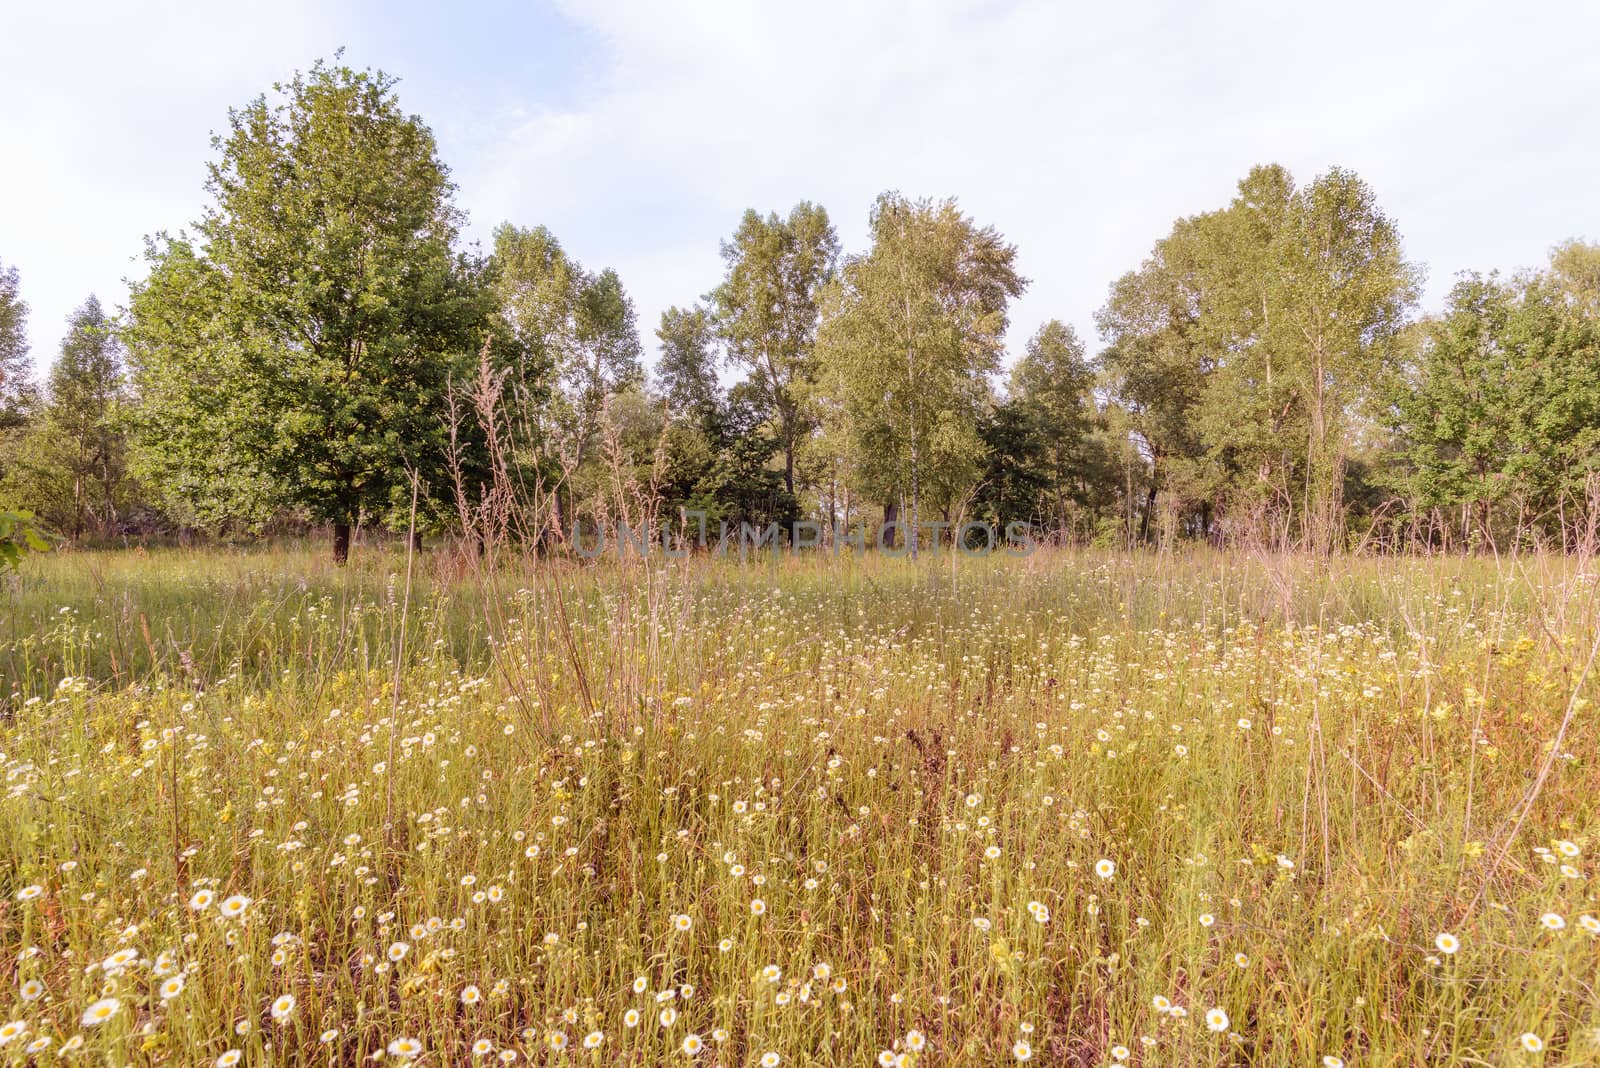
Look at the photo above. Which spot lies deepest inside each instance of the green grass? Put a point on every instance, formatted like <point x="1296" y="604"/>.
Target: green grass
<point x="1333" y="765"/>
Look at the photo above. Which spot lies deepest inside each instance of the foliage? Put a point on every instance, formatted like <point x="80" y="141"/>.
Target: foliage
<point x="686" y="369"/>
<point x="1498" y="416"/>
<point x="578" y="331"/>
<point x="19" y="535"/>
<point x="328" y="296"/>
<point x="70" y="462"/>
<point x="1253" y="342"/>
<point x="912" y="330"/>
<point x="16" y="385"/>
<point x="766" y="312"/>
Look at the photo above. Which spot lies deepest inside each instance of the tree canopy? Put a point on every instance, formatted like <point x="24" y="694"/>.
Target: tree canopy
<point x="322" y="344"/>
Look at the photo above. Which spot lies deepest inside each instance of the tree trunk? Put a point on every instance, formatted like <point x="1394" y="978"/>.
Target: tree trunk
<point x="416" y="541"/>
<point x="916" y="517"/>
<point x="341" y="542"/>
<point x="891" y="519"/>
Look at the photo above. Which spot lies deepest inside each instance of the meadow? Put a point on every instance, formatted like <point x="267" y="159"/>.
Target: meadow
<point x="1074" y="808"/>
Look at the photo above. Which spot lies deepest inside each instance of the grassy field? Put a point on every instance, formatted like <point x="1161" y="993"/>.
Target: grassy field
<point x="1079" y="809"/>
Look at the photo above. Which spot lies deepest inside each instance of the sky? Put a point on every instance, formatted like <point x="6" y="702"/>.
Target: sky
<point x="639" y="131"/>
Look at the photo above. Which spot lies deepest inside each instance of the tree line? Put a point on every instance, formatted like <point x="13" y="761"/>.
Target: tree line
<point x="322" y="348"/>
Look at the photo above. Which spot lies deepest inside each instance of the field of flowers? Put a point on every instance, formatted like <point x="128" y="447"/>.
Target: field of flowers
<point x="1075" y="809"/>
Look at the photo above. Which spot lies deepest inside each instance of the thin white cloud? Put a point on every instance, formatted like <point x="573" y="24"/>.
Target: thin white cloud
<point x="1081" y="134"/>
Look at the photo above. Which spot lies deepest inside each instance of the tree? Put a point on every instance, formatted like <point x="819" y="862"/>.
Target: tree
<point x="766" y="312"/>
<point x="1051" y="386"/>
<point x="1497" y="417"/>
<point x="1157" y="364"/>
<point x="1575" y="270"/>
<point x="16" y="386"/>
<point x="1248" y="346"/>
<point x="686" y="371"/>
<point x="578" y="328"/>
<point x="84" y="389"/>
<point x="69" y="462"/>
<point x="1341" y="290"/>
<point x="1015" y="472"/>
<point x="331" y="287"/>
<point x="198" y="423"/>
<point x="912" y="330"/>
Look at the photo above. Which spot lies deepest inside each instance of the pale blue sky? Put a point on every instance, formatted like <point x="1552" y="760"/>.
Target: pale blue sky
<point x="639" y="131"/>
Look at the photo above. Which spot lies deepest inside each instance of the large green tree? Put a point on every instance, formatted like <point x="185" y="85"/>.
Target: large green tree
<point x="913" y="328"/>
<point x="1337" y="301"/>
<point x="1497" y="418"/>
<point x="1252" y="343"/>
<point x="766" y="313"/>
<point x="329" y="296"/>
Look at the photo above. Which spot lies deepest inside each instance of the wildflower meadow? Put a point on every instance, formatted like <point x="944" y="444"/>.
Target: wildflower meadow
<point x="1073" y="808"/>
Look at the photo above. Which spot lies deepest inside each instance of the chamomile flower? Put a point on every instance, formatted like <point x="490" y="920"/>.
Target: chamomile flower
<point x="122" y="958"/>
<point x="1021" y="1051"/>
<point x="1217" y="1020"/>
<point x="405" y="1048"/>
<point x="101" y="1011"/>
<point x="283" y="1008"/>
<point x="1447" y="943"/>
<point x="1105" y="868"/>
